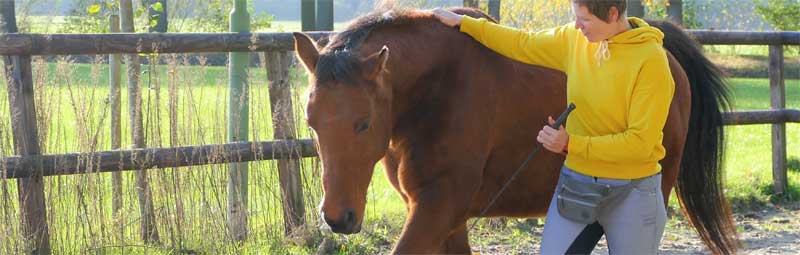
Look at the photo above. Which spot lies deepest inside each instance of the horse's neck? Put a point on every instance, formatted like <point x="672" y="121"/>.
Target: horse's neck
<point x="426" y="66"/>
<point x="416" y="71"/>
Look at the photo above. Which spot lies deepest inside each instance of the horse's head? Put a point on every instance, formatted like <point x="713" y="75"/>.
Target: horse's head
<point x="349" y="109"/>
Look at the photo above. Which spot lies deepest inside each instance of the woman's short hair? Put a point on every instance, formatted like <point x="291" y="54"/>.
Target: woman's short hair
<point x="600" y="8"/>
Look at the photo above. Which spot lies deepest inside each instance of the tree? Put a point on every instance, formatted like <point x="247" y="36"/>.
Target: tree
<point x="783" y="15"/>
<point x="535" y="15"/>
<point x="213" y="16"/>
<point x="157" y="11"/>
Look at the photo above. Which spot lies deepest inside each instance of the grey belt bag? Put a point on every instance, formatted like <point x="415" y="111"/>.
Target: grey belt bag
<point x="580" y="201"/>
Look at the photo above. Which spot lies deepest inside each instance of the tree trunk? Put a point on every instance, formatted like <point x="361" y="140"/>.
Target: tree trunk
<point x="149" y="232"/>
<point x="675" y="11"/>
<point x="472" y="3"/>
<point x="19" y="79"/>
<point x="635" y="8"/>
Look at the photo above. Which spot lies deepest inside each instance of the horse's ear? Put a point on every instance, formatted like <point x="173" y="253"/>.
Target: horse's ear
<point x="306" y="50"/>
<point x="376" y="63"/>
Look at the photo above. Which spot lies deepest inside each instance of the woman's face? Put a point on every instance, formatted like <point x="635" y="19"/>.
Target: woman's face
<point x="594" y="28"/>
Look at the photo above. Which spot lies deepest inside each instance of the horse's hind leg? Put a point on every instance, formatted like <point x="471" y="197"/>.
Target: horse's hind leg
<point x="458" y="242"/>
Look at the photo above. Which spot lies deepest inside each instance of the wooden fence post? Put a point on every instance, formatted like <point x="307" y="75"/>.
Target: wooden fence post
<point x="280" y="98"/>
<point x="324" y="15"/>
<point x="26" y="140"/>
<point x="778" y="102"/>
<point x="635" y="8"/>
<point x="308" y="9"/>
<point x="675" y="11"/>
<point x="494" y="9"/>
<point x="148" y="219"/>
<point x="114" y="80"/>
<point x="238" y="119"/>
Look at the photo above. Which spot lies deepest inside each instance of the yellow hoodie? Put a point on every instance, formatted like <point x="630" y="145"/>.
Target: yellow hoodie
<point x="622" y="92"/>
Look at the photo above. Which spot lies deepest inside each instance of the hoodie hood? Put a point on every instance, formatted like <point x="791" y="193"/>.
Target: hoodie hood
<point x="642" y="33"/>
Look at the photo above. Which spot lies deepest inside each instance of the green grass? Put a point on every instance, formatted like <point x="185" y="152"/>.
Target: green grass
<point x="70" y="100"/>
<point x="748" y="162"/>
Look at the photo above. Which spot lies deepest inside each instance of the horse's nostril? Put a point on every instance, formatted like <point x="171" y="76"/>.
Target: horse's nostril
<point x="349" y="217"/>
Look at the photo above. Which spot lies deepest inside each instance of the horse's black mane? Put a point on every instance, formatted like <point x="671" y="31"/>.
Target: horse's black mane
<point x="337" y="61"/>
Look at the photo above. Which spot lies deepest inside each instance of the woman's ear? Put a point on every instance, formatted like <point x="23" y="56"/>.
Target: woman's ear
<point x="613" y="14"/>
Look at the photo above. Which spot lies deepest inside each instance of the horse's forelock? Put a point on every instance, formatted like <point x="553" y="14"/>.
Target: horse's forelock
<point x="337" y="62"/>
<point x="337" y="67"/>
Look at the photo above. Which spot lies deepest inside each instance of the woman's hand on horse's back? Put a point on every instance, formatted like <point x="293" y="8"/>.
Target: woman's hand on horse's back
<point x="447" y="17"/>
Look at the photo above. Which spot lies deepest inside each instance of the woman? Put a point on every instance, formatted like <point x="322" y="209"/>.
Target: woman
<point x="619" y="79"/>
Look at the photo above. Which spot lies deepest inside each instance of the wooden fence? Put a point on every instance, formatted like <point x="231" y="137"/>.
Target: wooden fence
<point x="30" y="166"/>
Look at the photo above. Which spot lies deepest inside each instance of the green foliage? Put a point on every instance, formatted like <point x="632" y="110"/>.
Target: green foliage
<point x="535" y="15"/>
<point x="94" y="9"/>
<point x="158" y="7"/>
<point x="690" y="15"/>
<point x="655" y="11"/>
<point x="783" y="15"/>
<point x="214" y="16"/>
<point x="658" y="10"/>
<point x="89" y="16"/>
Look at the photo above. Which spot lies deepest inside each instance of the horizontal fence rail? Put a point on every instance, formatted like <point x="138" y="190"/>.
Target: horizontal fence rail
<point x="136" y="159"/>
<point x="761" y="117"/>
<point x="711" y="37"/>
<point x="79" y="44"/>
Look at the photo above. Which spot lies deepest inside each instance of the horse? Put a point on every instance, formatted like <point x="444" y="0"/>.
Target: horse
<point x="451" y="120"/>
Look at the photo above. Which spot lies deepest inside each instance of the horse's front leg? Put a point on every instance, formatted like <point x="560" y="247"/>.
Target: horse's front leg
<point x="437" y="210"/>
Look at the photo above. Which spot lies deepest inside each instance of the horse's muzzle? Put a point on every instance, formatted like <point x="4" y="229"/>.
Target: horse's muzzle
<point x="347" y="224"/>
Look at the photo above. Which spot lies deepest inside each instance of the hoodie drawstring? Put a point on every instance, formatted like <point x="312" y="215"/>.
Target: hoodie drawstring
<point x="602" y="53"/>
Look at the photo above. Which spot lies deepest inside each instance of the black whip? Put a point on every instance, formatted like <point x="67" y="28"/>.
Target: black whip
<point x="559" y="122"/>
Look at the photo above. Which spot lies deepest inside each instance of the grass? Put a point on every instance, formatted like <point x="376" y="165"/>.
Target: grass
<point x="190" y="202"/>
<point x="754" y="66"/>
<point x="748" y="162"/>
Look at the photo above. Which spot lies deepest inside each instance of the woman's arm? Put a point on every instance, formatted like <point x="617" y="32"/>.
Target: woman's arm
<point x="546" y="48"/>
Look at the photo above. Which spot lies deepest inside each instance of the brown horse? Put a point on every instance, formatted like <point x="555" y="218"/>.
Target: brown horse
<point x="451" y="120"/>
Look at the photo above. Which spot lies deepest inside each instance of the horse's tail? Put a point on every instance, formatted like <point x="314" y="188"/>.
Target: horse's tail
<point x="699" y="186"/>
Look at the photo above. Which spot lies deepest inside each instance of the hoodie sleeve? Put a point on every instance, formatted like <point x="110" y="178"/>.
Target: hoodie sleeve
<point x="545" y="48"/>
<point x="647" y="114"/>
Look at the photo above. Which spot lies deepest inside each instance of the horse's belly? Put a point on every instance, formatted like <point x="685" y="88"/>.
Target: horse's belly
<point x="528" y="195"/>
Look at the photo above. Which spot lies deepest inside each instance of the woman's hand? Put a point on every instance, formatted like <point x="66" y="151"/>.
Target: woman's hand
<point x="447" y="17"/>
<point x="552" y="139"/>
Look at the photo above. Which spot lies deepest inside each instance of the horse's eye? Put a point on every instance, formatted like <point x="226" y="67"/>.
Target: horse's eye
<point x="362" y="126"/>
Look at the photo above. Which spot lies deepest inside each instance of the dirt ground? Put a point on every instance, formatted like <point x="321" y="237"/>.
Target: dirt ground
<point x="769" y="230"/>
